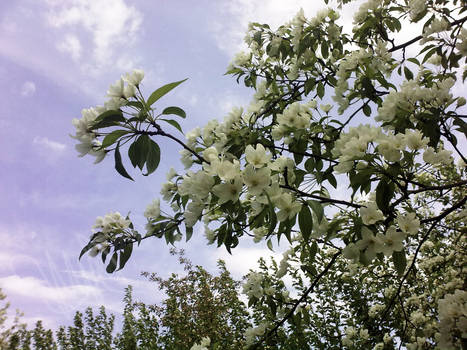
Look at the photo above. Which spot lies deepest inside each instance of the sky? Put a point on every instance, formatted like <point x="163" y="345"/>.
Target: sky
<point x="58" y="57"/>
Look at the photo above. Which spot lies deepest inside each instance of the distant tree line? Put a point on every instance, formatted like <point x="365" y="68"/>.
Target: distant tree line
<point x="197" y="305"/>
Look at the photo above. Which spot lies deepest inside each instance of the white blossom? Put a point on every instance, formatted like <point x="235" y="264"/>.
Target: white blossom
<point x="135" y="77"/>
<point x="153" y="210"/>
<point x="257" y="156"/>
<point x="371" y="214"/>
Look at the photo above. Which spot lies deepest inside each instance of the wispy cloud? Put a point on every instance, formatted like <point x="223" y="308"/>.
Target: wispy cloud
<point x="71" y="45"/>
<point x="10" y="260"/>
<point x="49" y="145"/>
<point x="36" y="288"/>
<point x="28" y="89"/>
<point x="243" y="259"/>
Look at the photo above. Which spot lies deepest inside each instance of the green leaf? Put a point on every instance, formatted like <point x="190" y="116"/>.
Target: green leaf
<point x="175" y="110"/>
<point x="269" y="245"/>
<point x="272" y="217"/>
<point x="310" y="165"/>
<point x="188" y="232"/>
<point x="136" y="104"/>
<point x="317" y="208"/>
<point x="118" y="163"/>
<point x="431" y="129"/>
<point x="429" y="54"/>
<point x="311" y="270"/>
<point x="111" y="138"/>
<point x="309" y="86"/>
<point x="461" y="124"/>
<point x="108" y="118"/>
<point x="104" y="254"/>
<point x="400" y="262"/>
<point x="324" y="49"/>
<point x="153" y="157"/>
<point x="313" y="250"/>
<point x="125" y="255"/>
<point x="174" y="123"/>
<point x="305" y="222"/>
<point x="138" y="151"/>
<point x="157" y="94"/>
<point x="331" y="179"/>
<point x="414" y="60"/>
<point x="320" y="90"/>
<point x="298" y="149"/>
<point x="384" y="194"/>
<point x="112" y="263"/>
<point x="367" y="110"/>
<point x="408" y="74"/>
<point x="85" y="249"/>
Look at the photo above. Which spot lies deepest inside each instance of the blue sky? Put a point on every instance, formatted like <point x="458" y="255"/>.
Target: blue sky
<point x="57" y="57"/>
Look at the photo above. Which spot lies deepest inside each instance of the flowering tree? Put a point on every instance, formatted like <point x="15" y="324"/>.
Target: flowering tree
<point x="374" y="212"/>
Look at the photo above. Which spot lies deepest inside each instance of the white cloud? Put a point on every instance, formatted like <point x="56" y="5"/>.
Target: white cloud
<point x="28" y="89"/>
<point x="110" y="23"/>
<point x="227" y="102"/>
<point x="244" y="259"/>
<point x="71" y="45"/>
<point x="49" y="145"/>
<point x="12" y="260"/>
<point x="35" y="288"/>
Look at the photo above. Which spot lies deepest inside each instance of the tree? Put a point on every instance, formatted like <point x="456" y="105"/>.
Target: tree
<point x="94" y="332"/>
<point x="198" y="305"/>
<point x="281" y="167"/>
<point x="14" y="336"/>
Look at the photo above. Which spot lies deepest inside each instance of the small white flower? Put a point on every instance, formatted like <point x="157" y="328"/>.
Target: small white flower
<point x="211" y="154"/>
<point x="371" y="214"/>
<point x="153" y="210"/>
<point x="257" y="157"/>
<point x="392" y="241"/>
<point x="326" y="108"/>
<point x="288" y="206"/>
<point x="414" y="140"/>
<point x="408" y="223"/>
<point x="129" y="91"/>
<point x="228" y="191"/>
<point x="116" y="90"/>
<point x="135" y="77"/>
<point x="256" y="180"/>
<point x="370" y="243"/>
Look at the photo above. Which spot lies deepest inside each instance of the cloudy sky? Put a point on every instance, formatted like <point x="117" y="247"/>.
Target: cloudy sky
<point x="59" y="56"/>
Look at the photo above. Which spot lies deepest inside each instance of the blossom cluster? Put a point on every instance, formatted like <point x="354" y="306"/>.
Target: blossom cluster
<point x="107" y="228"/>
<point x="412" y="95"/>
<point x="371" y="140"/>
<point x="257" y="183"/>
<point x="119" y="94"/>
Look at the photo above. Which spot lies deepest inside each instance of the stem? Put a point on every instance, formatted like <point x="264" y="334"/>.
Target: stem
<point x="170" y="136"/>
<point x="417" y="38"/>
